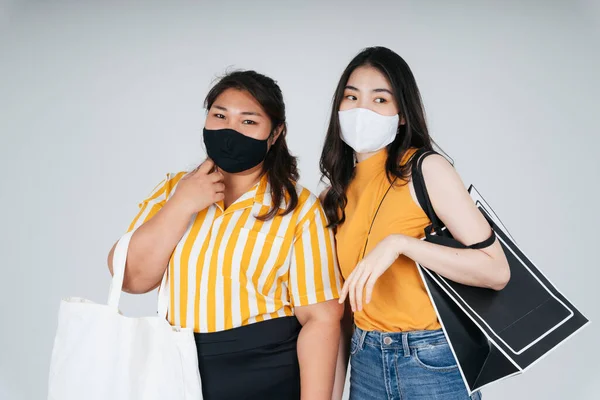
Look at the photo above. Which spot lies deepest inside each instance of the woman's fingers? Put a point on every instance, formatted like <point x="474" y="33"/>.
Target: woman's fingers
<point x="206" y="167"/>
<point x="360" y="289"/>
<point x="351" y="293"/>
<point x="369" y="287"/>
<point x="346" y="287"/>
<point x="360" y="271"/>
<point x="216" y="176"/>
<point x="219" y="187"/>
<point x="358" y="286"/>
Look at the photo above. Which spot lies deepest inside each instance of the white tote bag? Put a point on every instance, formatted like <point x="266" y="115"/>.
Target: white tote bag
<point x="100" y="354"/>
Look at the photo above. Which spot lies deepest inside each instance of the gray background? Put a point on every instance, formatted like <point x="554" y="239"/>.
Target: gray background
<point x="99" y="100"/>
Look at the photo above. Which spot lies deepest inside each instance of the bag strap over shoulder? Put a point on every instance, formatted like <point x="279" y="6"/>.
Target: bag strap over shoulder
<point x="425" y="201"/>
<point x="421" y="189"/>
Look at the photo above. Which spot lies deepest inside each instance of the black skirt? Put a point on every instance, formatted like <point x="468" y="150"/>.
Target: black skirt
<point x="257" y="361"/>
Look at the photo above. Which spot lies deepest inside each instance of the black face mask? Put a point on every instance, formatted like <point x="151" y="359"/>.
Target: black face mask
<point x="233" y="152"/>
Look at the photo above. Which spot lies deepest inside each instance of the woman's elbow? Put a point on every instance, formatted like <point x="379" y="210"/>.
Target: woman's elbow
<point x="328" y="313"/>
<point x="137" y="289"/>
<point x="109" y="261"/>
<point x="331" y="312"/>
<point x="502" y="276"/>
<point x="137" y="281"/>
<point x="133" y="280"/>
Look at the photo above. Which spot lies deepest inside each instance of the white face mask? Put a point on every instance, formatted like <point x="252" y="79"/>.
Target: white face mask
<point x="366" y="131"/>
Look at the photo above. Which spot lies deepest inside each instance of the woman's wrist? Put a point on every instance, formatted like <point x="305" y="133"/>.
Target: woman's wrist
<point x="400" y="243"/>
<point x="179" y="207"/>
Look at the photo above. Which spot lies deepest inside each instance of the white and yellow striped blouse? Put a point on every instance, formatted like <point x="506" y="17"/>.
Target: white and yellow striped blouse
<point x="231" y="269"/>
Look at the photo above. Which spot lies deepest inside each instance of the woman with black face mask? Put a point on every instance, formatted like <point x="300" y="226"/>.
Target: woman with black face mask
<point x="250" y="260"/>
<point x="377" y="126"/>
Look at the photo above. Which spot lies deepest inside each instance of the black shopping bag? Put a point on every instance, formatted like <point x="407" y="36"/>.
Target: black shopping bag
<point x="495" y="334"/>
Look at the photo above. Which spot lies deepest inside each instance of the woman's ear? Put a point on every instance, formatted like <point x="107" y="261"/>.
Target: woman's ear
<point x="402" y="120"/>
<point x="276" y="133"/>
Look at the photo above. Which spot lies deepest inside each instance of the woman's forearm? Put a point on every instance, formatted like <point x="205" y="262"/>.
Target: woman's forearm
<point x="317" y="355"/>
<point x="467" y="266"/>
<point x="151" y="247"/>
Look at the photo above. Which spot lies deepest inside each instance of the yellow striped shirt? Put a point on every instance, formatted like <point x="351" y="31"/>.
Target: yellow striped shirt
<point x="231" y="269"/>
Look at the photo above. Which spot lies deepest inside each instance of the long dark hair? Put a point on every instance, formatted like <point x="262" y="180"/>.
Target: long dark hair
<point x="337" y="158"/>
<point x="279" y="165"/>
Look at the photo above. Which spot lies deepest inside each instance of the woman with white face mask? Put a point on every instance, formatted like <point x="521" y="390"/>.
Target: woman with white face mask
<point x="397" y="347"/>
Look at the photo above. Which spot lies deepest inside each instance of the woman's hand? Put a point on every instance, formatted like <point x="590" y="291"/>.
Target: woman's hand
<point x="200" y="188"/>
<point x="369" y="269"/>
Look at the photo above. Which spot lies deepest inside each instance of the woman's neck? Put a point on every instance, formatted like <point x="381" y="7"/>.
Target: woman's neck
<point x="360" y="157"/>
<point x="238" y="184"/>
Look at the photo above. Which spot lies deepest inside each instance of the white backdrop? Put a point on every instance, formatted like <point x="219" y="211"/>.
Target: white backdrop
<point x="99" y="99"/>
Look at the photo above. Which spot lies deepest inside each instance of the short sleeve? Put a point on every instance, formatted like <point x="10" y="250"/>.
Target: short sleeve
<point x="155" y="201"/>
<point x="314" y="272"/>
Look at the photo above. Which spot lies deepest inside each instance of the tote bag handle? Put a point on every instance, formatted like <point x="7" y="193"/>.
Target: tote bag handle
<point x="116" y="287"/>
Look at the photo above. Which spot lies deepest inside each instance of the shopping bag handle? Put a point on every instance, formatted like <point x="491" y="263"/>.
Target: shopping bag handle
<point x="118" y="264"/>
<point x="116" y="287"/>
<point x="436" y="227"/>
<point x="421" y="189"/>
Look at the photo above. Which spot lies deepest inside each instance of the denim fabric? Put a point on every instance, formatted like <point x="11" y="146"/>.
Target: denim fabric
<point x="417" y="365"/>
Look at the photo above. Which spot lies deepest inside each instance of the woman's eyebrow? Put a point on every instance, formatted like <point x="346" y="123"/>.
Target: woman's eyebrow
<point x="242" y="113"/>
<point x="252" y="113"/>
<point x="380" y="90"/>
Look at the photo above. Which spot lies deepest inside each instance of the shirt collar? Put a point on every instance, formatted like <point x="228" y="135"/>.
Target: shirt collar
<point x="263" y="193"/>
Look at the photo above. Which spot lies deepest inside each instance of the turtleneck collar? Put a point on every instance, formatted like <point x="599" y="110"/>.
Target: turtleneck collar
<point x="371" y="166"/>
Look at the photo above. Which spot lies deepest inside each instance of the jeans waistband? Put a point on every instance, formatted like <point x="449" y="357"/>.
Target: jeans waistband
<point x="400" y="340"/>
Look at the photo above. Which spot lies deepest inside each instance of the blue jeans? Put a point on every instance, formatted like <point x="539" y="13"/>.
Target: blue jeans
<point x="417" y="365"/>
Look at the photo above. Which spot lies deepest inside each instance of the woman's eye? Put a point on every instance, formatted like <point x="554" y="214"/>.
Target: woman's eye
<point x="380" y="100"/>
<point x="249" y="122"/>
<point x="221" y="116"/>
<point x="351" y="97"/>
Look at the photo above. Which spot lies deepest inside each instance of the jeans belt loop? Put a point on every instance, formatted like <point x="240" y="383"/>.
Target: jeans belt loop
<point x="361" y="339"/>
<point x="405" y="345"/>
